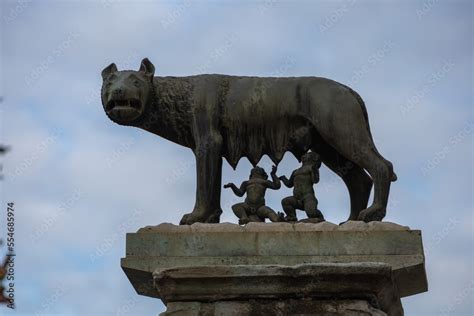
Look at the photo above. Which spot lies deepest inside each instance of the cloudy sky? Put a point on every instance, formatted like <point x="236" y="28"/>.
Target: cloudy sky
<point x="79" y="181"/>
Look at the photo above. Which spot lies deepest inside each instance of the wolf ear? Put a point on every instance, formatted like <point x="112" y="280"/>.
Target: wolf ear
<point x="108" y="70"/>
<point x="147" y="68"/>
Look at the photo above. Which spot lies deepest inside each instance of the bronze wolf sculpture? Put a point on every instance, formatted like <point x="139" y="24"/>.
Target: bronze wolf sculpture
<point x="220" y="116"/>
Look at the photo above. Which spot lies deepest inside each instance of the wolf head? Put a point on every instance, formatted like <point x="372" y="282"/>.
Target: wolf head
<point x="126" y="94"/>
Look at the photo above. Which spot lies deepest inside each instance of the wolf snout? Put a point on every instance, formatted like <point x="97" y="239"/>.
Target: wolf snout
<point x="117" y="92"/>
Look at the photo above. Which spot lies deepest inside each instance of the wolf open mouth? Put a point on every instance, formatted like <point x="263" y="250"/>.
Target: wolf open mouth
<point x="124" y="110"/>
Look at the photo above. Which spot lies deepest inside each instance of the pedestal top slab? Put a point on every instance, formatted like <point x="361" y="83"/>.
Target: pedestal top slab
<point x="273" y="227"/>
<point x="165" y="246"/>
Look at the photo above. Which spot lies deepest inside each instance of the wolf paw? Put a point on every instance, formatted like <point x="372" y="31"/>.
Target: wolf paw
<point x="201" y="217"/>
<point x="373" y="213"/>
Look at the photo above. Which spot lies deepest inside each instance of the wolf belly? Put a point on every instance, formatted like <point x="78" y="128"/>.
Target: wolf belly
<point x="265" y="116"/>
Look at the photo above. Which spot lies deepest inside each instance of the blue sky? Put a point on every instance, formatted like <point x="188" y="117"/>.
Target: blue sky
<point x="78" y="180"/>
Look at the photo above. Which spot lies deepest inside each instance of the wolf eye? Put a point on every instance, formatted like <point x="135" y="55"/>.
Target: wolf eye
<point x="136" y="83"/>
<point x="108" y="84"/>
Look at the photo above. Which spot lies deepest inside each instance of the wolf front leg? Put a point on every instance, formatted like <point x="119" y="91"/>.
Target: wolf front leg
<point x="209" y="176"/>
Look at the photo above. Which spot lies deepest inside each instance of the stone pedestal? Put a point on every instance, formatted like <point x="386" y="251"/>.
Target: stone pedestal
<point x="277" y="268"/>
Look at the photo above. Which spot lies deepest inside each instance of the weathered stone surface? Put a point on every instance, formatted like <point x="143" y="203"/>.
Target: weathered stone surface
<point x="268" y="307"/>
<point x="363" y="226"/>
<point x="167" y="246"/>
<point x="308" y="227"/>
<point x="385" y="226"/>
<point x="165" y="227"/>
<point x="276" y="227"/>
<point x="261" y="290"/>
<point x="209" y="228"/>
<point x="269" y="227"/>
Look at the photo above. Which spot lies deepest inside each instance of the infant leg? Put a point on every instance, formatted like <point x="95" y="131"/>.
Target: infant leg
<point x="290" y="204"/>
<point x="311" y="207"/>
<point x="266" y="212"/>
<point x="240" y="210"/>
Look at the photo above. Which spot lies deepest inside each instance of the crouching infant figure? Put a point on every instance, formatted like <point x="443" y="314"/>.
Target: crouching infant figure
<point x="254" y="208"/>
